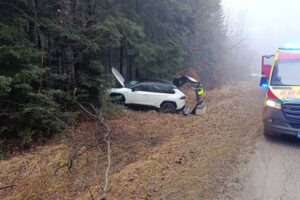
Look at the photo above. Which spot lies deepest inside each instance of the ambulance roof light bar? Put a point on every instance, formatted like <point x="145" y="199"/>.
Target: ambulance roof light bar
<point x="290" y="46"/>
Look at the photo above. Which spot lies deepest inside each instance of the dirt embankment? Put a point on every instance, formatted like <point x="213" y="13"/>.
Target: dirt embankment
<point x="154" y="156"/>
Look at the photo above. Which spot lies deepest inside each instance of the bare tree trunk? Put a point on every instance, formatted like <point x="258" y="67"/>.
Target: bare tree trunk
<point x="137" y="6"/>
<point x="116" y="53"/>
<point x="122" y="59"/>
<point x="108" y="59"/>
<point x="131" y="67"/>
<point x="32" y="32"/>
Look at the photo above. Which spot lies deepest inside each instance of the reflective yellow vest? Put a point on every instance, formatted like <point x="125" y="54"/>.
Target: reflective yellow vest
<point x="200" y="90"/>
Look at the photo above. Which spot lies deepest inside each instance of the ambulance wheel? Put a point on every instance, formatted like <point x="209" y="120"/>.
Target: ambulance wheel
<point x="267" y="134"/>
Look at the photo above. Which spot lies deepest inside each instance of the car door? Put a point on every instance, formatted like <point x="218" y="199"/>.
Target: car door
<point x="159" y="94"/>
<point x="139" y="94"/>
<point x="156" y="94"/>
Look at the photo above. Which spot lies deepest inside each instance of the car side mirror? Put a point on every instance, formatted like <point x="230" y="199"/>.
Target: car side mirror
<point x="132" y="89"/>
<point x="264" y="82"/>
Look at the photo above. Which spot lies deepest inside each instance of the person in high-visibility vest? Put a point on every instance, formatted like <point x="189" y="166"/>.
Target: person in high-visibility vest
<point x="199" y="94"/>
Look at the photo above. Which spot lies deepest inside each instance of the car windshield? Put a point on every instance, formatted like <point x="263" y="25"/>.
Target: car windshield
<point x="129" y="84"/>
<point x="286" y="73"/>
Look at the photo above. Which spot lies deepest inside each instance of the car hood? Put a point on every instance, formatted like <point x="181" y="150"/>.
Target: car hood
<point x="118" y="76"/>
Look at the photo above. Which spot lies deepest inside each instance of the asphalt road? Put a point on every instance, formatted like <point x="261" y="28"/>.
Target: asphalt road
<point x="273" y="171"/>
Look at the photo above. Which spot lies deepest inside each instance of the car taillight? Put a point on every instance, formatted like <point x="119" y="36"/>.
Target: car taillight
<point x="183" y="97"/>
<point x="270" y="95"/>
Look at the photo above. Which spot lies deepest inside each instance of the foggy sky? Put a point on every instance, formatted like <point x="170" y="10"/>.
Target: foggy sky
<point x="268" y="23"/>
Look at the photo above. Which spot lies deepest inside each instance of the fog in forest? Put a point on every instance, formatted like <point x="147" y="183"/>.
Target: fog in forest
<point x="267" y="24"/>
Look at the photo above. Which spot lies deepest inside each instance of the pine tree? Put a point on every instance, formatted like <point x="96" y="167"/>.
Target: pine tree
<point x="56" y="53"/>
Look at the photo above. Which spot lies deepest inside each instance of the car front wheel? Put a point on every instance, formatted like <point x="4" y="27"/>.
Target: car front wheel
<point x="168" y="108"/>
<point x="118" y="99"/>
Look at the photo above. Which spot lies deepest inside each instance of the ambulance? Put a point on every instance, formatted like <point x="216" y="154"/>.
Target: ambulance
<point x="281" y="115"/>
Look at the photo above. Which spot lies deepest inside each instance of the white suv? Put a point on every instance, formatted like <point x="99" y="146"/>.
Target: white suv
<point x="158" y="94"/>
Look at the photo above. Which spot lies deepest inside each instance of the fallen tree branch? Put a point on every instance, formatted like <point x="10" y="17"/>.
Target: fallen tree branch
<point x="85" y="185"/>
<point x="73" y="156"/>
<point x="99" y="116"/>
<point x="6" y="186"/>
<point x="105" y="189"/>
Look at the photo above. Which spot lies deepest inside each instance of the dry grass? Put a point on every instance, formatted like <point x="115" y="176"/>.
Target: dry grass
<point x="155" y="156"/>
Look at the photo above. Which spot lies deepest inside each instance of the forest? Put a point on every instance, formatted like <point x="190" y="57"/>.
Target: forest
<point x="58" y="54"/>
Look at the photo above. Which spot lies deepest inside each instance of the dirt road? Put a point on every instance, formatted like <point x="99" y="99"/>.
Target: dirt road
<point x="273" y="171"/>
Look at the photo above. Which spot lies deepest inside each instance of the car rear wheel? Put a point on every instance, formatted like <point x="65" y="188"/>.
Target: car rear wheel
<point x="168" y="108"/>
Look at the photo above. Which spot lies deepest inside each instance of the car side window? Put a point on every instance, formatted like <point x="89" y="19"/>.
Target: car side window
<point x="159" y="88"/>
<point x="153" y="88"/>
<point x="141" y="87"/>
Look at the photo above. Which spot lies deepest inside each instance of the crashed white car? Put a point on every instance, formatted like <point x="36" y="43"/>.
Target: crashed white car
<point x="157" y="94"/>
